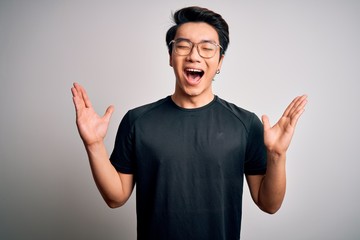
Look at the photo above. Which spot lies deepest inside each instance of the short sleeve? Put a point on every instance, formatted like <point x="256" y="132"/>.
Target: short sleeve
<point x="122" y="157"/>
<point x="255" y="161"/>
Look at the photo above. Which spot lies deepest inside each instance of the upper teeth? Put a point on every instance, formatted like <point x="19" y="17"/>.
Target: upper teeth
<point x="193" y="70"/>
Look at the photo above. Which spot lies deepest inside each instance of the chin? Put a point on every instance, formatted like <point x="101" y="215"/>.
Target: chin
<point x="197" y="92"/>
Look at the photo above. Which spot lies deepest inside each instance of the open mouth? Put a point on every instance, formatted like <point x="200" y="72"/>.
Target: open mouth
<point x="193" y="75"/>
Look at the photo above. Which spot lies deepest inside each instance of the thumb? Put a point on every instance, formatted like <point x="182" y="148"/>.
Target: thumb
<point x="266" y="122"/>
<point x="108" y="113"/>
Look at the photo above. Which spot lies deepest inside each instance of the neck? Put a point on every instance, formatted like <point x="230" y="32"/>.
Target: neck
<point x="190" y="102"/>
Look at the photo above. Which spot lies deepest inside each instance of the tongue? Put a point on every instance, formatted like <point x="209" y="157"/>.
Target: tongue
<point x="193" y="78"/>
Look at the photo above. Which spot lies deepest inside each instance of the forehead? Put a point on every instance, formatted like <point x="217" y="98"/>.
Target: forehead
<point x="197" y="32"/>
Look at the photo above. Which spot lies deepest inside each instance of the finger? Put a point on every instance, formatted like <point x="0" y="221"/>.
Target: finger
<point x="293" y="106"/>
<point x="78" y="103"/>
<point x="296" y="117"/>
<point x="73" y="91"/>
<point x="289" y="108"/>
<point x="298" y="111"/>
<point x="83" y="95"/>
<point x="86" y="99"/>
<point x="299" y="103"/>
<point x="298" y="107"/>
<point x="108" y="113"/>
<point x="266" y="122"/>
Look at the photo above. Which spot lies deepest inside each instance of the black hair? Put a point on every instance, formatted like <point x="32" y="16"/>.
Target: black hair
<point x="199" y="14"/>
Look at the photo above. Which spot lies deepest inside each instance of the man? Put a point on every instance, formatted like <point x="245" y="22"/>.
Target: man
<point x="187" y="153"/>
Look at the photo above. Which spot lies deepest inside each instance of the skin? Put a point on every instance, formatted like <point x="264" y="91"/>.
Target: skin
<point x="267" y="191"/>
<point x="189" y="95"/>
<point x="115" y="187"/>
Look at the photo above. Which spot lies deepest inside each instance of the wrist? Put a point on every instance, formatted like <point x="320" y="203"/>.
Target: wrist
<point x="94" y="146"/>
<point x="276" y="157"/>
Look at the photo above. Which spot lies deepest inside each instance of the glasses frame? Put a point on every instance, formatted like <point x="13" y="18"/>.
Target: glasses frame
<point x="192" y="45"/>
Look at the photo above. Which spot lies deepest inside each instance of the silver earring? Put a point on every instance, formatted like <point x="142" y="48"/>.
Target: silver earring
<point x="218" y="71"/>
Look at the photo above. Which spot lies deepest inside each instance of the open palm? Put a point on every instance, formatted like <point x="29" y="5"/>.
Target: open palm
<point x="277" y="138"/>
<point x="92" y="128"/>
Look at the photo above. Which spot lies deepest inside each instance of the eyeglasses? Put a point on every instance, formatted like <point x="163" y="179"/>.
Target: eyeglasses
<point x="206" y="49"/>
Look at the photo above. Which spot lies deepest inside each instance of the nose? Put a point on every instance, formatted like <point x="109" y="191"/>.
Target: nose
<point x="194" y="55"/>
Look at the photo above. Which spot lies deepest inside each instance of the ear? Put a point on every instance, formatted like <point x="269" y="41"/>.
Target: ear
<point x="170" y="60"/>
<point x="220" y="62"/>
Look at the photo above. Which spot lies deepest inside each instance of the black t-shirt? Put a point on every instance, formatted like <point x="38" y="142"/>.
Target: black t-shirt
<point x="188" y="166"/>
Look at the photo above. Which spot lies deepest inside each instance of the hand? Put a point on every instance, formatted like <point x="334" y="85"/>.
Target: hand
<point x="92" y="128"/>
<point x="277" y="138"/>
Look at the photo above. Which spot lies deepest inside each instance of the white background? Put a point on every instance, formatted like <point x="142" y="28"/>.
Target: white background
<point x="278" y="49"/>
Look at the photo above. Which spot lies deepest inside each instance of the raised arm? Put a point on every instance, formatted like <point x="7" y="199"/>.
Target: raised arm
<point x="268" y="191"/>
<point x="115" y="187"/>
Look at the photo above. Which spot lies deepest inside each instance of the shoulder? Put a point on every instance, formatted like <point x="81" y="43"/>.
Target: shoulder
<point x="140" y="111"/>
<point x="241" y="112"/>
<point x="246" y="117"/>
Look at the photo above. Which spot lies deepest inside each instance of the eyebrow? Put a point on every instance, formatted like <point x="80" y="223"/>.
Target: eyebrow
<point x="202" y="41"/>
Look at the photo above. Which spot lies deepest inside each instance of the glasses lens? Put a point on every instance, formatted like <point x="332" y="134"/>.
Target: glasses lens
<point x="182" y="47"/>
<point x="207" y="49"/>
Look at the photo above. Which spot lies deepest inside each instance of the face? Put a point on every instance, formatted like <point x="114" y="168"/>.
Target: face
<point x="194" y="74"/>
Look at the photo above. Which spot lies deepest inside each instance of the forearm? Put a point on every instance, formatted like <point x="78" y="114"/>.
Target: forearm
<point x="273" y="185"/>
<point x="107" y="179"/>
